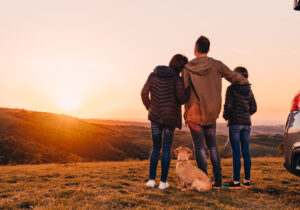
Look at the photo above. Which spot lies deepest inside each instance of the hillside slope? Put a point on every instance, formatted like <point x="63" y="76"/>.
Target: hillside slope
<point x="39" y="137"/>
<point x="36" y="137"/>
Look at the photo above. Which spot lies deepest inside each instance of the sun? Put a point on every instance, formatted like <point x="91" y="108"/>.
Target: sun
<point x="68" y="101"/>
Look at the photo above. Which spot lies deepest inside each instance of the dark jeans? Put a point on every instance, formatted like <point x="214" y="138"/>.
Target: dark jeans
<point x="240" y="138"/>
<point x="199" y="133"/>
<point x="162" y="135"/>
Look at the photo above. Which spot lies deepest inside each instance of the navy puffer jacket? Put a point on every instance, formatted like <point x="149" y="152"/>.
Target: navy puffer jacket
<point x="239" y="105"/>
<point x="163" y="94"/>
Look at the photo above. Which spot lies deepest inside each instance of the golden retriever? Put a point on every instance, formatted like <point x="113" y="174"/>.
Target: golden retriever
<point x="189" y="176"/>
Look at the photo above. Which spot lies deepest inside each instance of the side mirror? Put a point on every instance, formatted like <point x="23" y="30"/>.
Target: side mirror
<point x="297" y="5"/>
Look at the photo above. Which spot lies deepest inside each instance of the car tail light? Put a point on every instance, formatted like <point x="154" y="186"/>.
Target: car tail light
<point x="296" y="103"/>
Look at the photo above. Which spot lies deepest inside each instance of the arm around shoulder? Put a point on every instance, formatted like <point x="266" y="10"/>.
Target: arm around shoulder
<point x="232" y="76"/>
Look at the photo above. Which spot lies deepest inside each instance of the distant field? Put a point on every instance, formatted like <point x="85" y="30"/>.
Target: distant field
<point x="222" y="128"/>
<point x="29" y="137"/>
<point x="119" y="185"/>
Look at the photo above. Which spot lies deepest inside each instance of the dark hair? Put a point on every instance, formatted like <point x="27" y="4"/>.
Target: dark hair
<point x="202" y="44"/>
<point x="178" y="61"/>
<point x="242" y="70"/>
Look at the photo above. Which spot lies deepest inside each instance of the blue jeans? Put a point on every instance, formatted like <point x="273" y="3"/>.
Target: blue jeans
<point x="199" y="133"/>
<point x="162" y="135"/>
<point x="240" y="138"/>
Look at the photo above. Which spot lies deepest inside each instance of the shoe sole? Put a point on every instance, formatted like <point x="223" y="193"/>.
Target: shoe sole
<point x="235" y="188"/>
<point x="218" y="188"/>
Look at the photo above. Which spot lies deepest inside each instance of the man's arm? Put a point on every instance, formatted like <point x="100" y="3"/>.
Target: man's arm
<point x="145" y="94"/>
<point x="231" y="76"/>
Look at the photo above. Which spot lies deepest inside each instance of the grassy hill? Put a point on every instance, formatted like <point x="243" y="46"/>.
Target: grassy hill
<point x="38" y="137"/>
<point x="121" y="185"/>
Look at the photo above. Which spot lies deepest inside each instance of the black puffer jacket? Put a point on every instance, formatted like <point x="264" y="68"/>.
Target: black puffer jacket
<point x="239" y="105"/>
<point x="167" y="94"/>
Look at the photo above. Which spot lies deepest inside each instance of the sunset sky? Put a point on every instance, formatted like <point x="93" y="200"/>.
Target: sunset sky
<point x="91" y="58"/>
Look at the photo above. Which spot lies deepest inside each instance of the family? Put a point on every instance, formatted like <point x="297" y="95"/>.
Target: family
<point x="197" y="84"/>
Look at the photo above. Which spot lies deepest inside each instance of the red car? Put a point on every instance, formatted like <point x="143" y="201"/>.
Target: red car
<point x="291" y="142"/>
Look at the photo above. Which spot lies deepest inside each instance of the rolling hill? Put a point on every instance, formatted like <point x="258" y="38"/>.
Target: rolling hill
<point x="40" y="137"/>
<point x="37" y="137"/>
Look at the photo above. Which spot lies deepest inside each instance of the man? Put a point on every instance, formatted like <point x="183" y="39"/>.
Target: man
<point x="204" y="75"/>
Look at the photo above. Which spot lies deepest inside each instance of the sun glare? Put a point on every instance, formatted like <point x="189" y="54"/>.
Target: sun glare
<point x="68" y="101"/>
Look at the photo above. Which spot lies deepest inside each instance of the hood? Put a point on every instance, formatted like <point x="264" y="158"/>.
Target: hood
<point x="200" y="66"/>
<point x="242" y="89"/>
<point x="165" y="71"/>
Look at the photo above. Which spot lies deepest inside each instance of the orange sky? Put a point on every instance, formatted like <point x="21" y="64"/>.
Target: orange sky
<point x="91" y="58"/>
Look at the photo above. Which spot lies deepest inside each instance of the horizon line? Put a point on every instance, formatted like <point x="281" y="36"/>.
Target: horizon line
<point x="264" y="122"/>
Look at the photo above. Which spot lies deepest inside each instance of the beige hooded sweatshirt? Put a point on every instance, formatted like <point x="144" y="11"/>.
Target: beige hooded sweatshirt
<point x="206" y="75"/>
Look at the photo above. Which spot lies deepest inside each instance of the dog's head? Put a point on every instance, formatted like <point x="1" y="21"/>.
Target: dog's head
<point x="183" y="153"/>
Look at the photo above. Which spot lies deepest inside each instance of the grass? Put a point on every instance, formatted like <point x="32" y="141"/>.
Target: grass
<point x="107" y="185"/>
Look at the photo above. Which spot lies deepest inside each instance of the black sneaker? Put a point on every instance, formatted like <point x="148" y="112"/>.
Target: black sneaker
<point x="247" y="184"/>
<point x="234" y="186"/>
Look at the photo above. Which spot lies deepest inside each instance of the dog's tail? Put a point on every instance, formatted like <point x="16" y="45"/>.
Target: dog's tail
<point x="226" y="143"/>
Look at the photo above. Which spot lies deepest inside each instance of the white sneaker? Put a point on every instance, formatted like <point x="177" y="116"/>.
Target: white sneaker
<point x="150" y="183"/>
<point x="163" y="185"/>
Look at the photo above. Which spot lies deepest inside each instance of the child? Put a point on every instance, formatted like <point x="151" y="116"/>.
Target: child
<point x="239" y="105"/>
